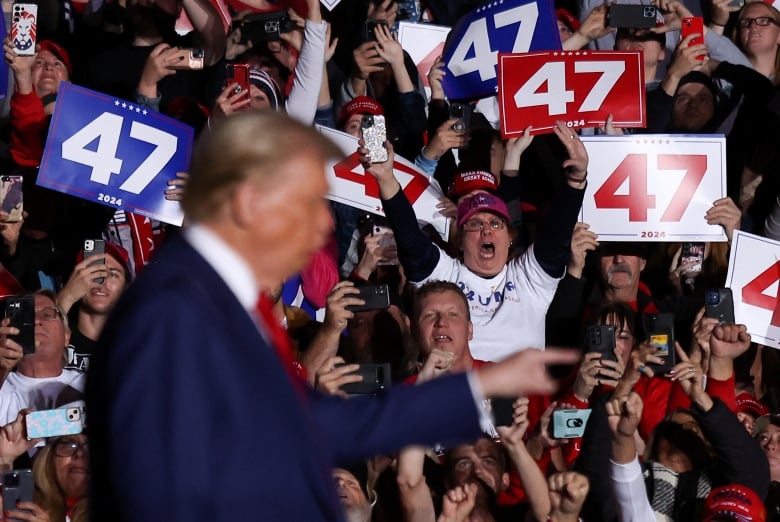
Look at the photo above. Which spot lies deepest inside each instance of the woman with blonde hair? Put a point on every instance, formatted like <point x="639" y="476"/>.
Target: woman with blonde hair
<point x="61" y="476"/>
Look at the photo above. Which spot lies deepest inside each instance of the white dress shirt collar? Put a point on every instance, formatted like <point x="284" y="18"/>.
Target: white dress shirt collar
<point x="230" y="266"/>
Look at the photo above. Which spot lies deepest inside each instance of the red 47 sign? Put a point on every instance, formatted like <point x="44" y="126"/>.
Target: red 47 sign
<point x="579" y="87"/>
<point x="754" y="279"/>
<point x="654" y="187"/>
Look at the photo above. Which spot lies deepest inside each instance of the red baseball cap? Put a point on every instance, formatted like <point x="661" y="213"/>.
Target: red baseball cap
<point x="734" y="502"/>
<point x="360" y="105"/>
<point x="471" y="180"/>
<point x="565" y="17"/>
<point x="58" y="51"/>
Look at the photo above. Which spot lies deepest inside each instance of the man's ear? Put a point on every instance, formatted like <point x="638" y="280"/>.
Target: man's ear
<point x="642" y="264"/>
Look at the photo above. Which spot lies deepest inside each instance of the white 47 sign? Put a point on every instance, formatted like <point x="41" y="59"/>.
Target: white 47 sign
<point x="754" y="279"/>
<point x="654" y="187"/>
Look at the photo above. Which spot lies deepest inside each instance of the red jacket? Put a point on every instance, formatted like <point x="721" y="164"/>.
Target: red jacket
<point x="29" y="127"/>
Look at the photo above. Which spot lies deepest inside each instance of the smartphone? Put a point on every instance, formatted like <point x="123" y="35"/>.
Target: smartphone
<point x="719" y="304"/>
<point x="21" y="310"/>
<point x="692" y="254"/>
<point x="691" y="25"/>
<point x="17" y="487"/>
<point x="376" y="378"/>
<point x="374" y="136"/>
<point x="462" y="111"/>
<point x="238" y="73"/>
<point x="24" y="27"/>
<point x="369" y="29"/>
<point x="189" y="59"/>
<point x="377" y="297"/>
<point x="54" y="423"/>
<point x="386" y="239"/>
<point x="659" y="330"/>
<point x="503" y="411"/>
<point x="95" y="247"/>
<point x="631" y="16"/>
<point x="11" y="197"/>
<point x="569" y="424"/>
<point x="265" y="27"/>
<point x="600" y="338"/>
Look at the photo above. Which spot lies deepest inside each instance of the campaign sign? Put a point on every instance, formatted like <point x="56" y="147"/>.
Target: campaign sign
<point x="581" y="88"/>
<point x="754" y="279"/>
<point x="114" y="152"/>
<point x="424" y="43"/>
<point x="351" y="185"/>
<point x="502" y="26"/>
<point x="654" y="187"/>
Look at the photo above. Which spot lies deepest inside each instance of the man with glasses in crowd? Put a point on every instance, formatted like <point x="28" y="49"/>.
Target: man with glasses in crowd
<point x="508" y="297"/>
<point x="40" y="375"/>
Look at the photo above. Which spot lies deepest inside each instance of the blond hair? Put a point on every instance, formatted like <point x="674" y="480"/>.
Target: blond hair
<point x="250" y="144"/>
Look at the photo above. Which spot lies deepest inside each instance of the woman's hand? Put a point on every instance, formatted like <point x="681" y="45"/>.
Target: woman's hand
<point x="232" y="99"/>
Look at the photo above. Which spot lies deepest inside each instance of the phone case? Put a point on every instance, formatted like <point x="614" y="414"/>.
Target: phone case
<point x="54" y="423"/>
<point x="11" y="197"/>
<point x="17" y="487"/>
<point x="376" y="377"/>
<point x="659" y="331"/>
<point x="189" y="59"/>
<point x="463" y="113"/>
<point x="569" y="424"/>
<point x="692" y="253"/>
<point x="719" y="304"/>
<point x="265" y="27"/>
<point x="503" y="411"/>
<point x="369" y="30"/>
<point x="374" y="136"/>
<point x="95" y="247"/>
<point x="24" y="28"/>
<point x="377" y="297"/>
<point x="601" y="339"/>
<point x="631" y="16"/>
<point x="21" y="310"/>
<point x="238" y="73"/>
<point x="690" y="26"/>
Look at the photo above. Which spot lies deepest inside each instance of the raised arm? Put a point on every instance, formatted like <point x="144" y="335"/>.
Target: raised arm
<point x="552" y="245"/>
<point x="210" y="32"/>
<point x="418" y="255"/>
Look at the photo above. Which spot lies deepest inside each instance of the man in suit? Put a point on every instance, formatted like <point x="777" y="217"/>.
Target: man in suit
<point x="194" y="414"/>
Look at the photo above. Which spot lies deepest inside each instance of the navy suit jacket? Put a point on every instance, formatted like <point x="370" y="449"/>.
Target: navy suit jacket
<point x="193" y="417"/>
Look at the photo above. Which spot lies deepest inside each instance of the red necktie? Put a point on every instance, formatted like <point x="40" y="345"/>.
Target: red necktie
<point x="280" y="341"/>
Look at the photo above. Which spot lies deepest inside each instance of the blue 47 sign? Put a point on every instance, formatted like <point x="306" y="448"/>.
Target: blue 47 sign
<point x="507" y="26"/>
<point x="114" y="152"/>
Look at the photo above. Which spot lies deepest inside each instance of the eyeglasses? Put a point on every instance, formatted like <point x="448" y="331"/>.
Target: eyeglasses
<point x="47" y="313"/>
<point x="476" y="225"/>
<point x="68" y="448"/>
<point x="761" y="21"/>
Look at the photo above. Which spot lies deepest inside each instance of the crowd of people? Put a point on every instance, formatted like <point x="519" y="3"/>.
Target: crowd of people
<point x="441" y="403"/>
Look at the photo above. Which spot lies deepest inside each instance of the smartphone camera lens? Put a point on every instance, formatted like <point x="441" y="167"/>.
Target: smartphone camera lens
<point x="712" y="297"/>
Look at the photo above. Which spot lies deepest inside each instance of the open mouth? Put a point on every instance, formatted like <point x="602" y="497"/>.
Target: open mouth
<point x="487" y="250"/>
<point x="442" y="339"/>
